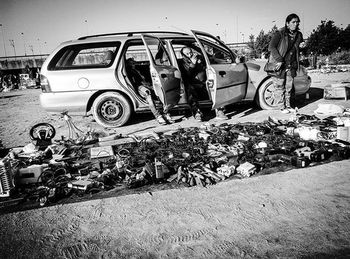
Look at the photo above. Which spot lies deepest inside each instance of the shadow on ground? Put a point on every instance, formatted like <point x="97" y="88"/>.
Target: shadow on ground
<point x="314" y="94"/>
<point x="9" y="96"/>
<point x="245" y="109"/>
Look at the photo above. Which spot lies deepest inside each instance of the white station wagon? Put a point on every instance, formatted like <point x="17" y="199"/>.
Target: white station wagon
<point x="78" y="78"/>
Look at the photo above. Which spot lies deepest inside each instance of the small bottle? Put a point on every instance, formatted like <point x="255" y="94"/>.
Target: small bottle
<point x="159" y="169"/>
<point x="119" y="164"/>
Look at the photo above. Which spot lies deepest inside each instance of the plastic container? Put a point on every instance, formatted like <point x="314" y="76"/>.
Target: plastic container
<point x="31" y="174"/>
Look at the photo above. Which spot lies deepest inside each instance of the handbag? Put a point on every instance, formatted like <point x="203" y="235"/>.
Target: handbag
<point x="270" y="69"/>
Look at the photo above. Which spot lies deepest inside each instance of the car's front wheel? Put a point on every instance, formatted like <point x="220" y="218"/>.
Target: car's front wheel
<point x="111" y="110"/>
<point x="268" y="97"/>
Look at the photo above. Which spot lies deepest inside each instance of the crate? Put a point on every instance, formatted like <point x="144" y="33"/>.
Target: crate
<point x="336" y="91"/>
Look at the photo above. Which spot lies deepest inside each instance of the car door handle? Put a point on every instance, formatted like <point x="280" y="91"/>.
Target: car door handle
<point x="222" y="73"/>
<point x="163" y="75"/>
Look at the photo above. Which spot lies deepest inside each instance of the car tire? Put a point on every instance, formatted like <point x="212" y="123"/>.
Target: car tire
<point x="111" y="110"/>
<point x="267" y="97"/>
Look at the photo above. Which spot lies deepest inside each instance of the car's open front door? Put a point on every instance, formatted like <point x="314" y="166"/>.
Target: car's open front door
<point x="226" y="80"/>
<point x="165" y="77"/>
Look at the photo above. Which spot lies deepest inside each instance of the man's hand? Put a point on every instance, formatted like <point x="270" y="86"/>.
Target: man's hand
<point x="195" y="59"/>
<point x="302" y="45"/>
<point x="278" y="66"/>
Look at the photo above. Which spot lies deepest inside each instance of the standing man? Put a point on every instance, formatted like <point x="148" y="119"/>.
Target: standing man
<point x="284" y="50"/>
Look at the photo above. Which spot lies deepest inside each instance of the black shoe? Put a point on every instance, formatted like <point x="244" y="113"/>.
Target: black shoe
<point x="161" y="120"/>
<point x="285" y="110"/>
<point x="168" y="118"/>
<point x="199" y="116"/>
<point x="220" y="115"/>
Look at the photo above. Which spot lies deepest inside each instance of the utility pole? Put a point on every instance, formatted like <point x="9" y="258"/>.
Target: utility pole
<point x="32" y="49"/>
<point x="45" y="44"/>
<point x="24" y="44"/>
<point x="87" y="27"/>
<point x="237" y="28"/>
<point x="40" y="52"/>
<point x="217" y="29"/>
<point x="12" y="43"/>
<point x="39" y="44"/>
<point x="303" y="22"/>
<point x="34" y="60"/>
<point x="3" y="40"/>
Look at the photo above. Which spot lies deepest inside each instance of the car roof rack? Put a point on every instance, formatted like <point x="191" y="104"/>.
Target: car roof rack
<point x="131" y="33"/>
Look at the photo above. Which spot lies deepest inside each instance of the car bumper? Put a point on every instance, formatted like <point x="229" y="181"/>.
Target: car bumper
<point x="65" y="101"/>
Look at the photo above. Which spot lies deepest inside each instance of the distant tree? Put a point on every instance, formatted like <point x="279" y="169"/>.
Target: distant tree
<point x="251" y="44"/>
<point x="262" y="43"/>
<point x="273" y="30"/>
<point x="325" y="39"/>
<point x="263" y="40"/>
<point x="344" y="38"/>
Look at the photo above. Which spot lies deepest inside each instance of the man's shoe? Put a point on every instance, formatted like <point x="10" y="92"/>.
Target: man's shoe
<point x="290" y="109"/>
<point x="285" y="110"/>
<point x="198" y="116"/>
<point x="168" y="118"/>
<point x="220" y="115"/>
<point x="161" y="120"/>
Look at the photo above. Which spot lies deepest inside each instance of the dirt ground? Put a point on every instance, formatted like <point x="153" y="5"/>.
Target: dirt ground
<point x="302" y="213"/>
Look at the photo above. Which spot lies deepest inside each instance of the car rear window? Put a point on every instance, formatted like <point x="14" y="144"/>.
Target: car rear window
<point x="84" y="56"/>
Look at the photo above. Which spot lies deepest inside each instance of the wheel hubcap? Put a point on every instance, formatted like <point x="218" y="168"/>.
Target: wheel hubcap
<point x="273" y="96"/>
<point x="111" y="110"/>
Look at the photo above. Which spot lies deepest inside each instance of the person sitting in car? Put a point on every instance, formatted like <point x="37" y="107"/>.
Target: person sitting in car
<point x="194" y="76"/>
<point x="146" y="91"/>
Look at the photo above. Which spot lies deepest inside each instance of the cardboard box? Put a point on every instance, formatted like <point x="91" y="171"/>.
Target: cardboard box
<point x="335" y="91"/>
<point x="343" y="133"/>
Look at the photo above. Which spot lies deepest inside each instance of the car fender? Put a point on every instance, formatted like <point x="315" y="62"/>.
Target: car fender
<point x="257" y="76"/>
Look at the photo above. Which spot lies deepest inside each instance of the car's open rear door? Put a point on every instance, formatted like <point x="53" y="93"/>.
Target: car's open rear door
<point x="166" y="78"/>
<point x="226" y="82"/>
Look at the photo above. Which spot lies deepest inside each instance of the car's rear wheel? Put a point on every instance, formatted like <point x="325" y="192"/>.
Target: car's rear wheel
<point x="268" y="97"/>
<point x="111" y="110"/>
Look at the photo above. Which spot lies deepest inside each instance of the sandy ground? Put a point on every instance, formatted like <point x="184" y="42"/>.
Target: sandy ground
<point x="302" y="213"/>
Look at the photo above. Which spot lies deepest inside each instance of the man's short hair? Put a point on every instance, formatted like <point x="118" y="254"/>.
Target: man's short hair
<point x="183" y="48"/>
<point x="130" y="61"/>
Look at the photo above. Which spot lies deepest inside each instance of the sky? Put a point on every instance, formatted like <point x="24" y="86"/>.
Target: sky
<point x="39" y="26"/>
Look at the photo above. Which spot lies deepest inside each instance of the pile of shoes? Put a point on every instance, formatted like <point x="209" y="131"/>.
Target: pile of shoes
<point x="195" y="156"/>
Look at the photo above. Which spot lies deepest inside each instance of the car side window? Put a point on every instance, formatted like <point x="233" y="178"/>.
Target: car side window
<point x="85" y="56"/>
<point x="158" y="52"/>
<point x="137" y="51"/>
<point x="216" y="54"/>
<point x="178" y="46"/>
<point x="93" y="56"/>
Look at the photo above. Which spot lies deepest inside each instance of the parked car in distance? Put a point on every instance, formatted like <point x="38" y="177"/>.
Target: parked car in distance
<point x="79" y="77"/>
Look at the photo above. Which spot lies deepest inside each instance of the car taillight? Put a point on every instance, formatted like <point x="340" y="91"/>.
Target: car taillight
<point x="45" y="85"/>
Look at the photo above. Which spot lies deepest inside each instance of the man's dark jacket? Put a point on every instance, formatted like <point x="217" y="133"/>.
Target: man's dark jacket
<point x="283" y="50"/>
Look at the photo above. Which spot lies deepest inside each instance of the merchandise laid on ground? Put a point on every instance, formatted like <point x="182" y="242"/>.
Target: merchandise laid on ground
<point x="48" y="172"/>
